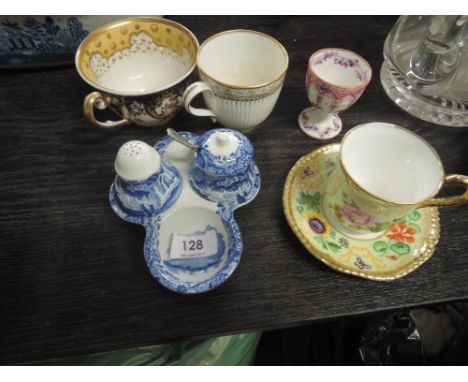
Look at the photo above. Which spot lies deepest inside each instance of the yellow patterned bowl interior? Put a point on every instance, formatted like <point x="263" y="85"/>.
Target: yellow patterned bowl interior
<point x="116" y="36"/>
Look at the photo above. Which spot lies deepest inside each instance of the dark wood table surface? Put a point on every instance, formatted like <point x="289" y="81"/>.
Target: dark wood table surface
<point x="73" y="279"/>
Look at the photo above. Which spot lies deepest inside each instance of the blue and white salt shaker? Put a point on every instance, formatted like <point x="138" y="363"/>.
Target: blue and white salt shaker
<point x="145" y="184"/>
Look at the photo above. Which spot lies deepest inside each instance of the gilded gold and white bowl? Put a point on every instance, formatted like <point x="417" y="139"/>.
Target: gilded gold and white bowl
<point x="140" y="68"/>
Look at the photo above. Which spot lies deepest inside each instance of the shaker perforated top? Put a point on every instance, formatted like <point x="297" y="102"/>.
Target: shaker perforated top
<point x="136" y="161"/>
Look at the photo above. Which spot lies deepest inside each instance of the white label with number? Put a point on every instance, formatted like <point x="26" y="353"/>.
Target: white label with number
<point x="186" y="246"/>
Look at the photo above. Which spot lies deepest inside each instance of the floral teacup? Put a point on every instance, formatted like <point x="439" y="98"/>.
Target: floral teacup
<point x="140" y="66"/>
<point x="384" y="172"/>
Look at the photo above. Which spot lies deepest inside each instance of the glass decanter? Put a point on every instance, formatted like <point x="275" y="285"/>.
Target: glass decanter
<point x="425" y="70"/>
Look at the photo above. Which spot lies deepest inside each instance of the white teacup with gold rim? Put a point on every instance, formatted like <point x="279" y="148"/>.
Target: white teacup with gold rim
<point x="242" y="73"/>
<point x="383" y="173"/>
<point x="140" y="68"/>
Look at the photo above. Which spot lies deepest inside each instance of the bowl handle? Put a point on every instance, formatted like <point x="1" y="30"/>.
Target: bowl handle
<point x="96" y="99"/>
<point x="190" y="93"/>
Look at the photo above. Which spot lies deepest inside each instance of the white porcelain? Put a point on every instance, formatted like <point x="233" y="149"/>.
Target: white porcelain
<point x="335" y="80"/>
<point x="136" y="161"/>
<point x="242" y="73"/>
<point x="392" y="163"/>
<point x="222" y="143"/>
<point x="144" y="67"/>
<point x="318" y="124"/>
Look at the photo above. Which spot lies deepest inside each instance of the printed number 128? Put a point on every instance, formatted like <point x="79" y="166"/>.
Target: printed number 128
<point x="192" y="245"/>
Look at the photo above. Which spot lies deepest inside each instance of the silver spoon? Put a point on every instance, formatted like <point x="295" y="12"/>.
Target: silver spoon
<point x="177" y="137"/>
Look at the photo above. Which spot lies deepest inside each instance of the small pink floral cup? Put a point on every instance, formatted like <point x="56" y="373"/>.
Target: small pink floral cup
<point x="335" y="80"/>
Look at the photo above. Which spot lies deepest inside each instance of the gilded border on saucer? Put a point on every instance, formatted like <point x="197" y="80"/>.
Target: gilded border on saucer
<point x="328" y="260"/>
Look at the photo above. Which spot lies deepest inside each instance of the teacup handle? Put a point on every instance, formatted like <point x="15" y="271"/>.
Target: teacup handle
<point x="450" y="200"/>
<point x="97" y="100"/>
<point x="190" y="93"/>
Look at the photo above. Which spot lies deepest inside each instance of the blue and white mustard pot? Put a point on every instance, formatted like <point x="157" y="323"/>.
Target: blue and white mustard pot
<point x="223" y="169"/>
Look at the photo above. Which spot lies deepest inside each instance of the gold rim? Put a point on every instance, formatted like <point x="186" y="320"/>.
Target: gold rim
<point x="79" y="53"/>
<point x="433" y="239"/>
<point x="356" y="184"/>
<point x="340" y="86"/>
<point x="233" y="86"/>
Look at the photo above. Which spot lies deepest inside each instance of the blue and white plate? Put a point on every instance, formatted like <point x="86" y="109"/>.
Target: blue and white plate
<point x="190" y="215"/>
<point x="45" y="40"/>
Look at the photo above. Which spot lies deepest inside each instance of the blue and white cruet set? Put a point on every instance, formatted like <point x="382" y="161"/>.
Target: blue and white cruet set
<point x="178" y="193"/>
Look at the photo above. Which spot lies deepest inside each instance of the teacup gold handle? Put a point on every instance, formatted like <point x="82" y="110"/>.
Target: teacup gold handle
<point x="190" y="93"/>
<point x="96" y="99"/>
<point x="450" y="200"/>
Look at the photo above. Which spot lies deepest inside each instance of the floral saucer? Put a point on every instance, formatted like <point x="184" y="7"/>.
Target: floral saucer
<point x="318" y="124"/>
<point x="406" y="245"/>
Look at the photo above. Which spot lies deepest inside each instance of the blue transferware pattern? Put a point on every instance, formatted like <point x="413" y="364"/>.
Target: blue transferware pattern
<point x="224" y="165"/>
<point x="237" y="188"/>
<point x="165" y="141"/>
<point x="140" y="199"/>
<point x="45" y="40"/>
<point x="232" y="178"/>
<point x="168" y="278"/>
<point x="181" y="277"/>
<point x="32" y="41"/>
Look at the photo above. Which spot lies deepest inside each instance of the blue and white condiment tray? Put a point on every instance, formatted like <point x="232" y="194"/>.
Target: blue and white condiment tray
<point x="210" y="224"/>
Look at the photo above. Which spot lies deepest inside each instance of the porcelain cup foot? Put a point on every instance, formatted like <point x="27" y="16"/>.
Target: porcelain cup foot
<point x="318" y="124"/>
